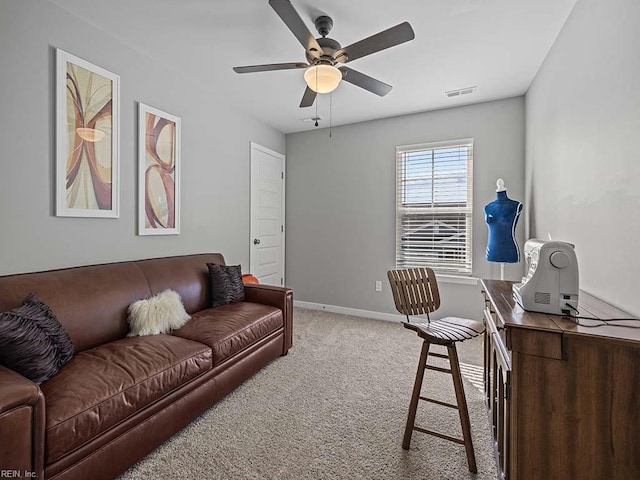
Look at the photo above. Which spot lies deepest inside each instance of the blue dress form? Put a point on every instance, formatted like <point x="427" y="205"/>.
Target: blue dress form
<point x="502" y="217"/>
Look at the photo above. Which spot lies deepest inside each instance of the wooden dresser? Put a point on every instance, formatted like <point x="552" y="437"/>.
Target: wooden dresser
<point x="563" y="399"/>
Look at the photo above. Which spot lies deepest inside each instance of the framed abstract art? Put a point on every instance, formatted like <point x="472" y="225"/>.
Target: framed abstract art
<point x="158" y="172"/>
<point x="87" y="139"/>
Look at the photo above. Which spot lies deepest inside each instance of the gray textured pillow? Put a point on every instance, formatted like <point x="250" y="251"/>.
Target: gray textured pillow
<point x="32" y="341"/>
<point x="226" y="284"/>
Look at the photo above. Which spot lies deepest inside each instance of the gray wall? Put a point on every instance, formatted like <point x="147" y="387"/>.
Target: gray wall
<point x="582" y="161"/>
<point x="341" y="201"/>
<point x="215" y="150"/>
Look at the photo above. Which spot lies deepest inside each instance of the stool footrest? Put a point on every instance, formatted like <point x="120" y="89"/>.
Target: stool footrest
<point x="438" y="369"/>
<point x="439" y="355"/>
<point x="439" y="435"/>
<point x="438" y="402"/>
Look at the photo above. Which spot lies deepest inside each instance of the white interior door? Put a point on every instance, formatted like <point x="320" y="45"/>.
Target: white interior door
<point x="267" y="215"/>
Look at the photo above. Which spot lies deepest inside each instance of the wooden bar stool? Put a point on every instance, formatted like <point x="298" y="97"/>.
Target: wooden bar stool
<point x="415" y="292"/>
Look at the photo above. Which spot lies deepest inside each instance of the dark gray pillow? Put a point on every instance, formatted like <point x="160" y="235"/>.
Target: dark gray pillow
<point x="32" y="341"/>
<point x="226" y="284"/>
<point x="50" y="325"/>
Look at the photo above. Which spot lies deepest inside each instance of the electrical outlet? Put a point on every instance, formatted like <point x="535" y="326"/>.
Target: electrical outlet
<point x="378" y="286"/>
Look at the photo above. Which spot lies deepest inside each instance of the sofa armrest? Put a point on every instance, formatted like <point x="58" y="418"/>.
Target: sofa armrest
<point x="22" y="419"/>
<point x="278" y="297"/>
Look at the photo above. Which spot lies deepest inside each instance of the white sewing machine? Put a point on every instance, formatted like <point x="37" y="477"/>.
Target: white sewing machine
<point x="551" y="282"/>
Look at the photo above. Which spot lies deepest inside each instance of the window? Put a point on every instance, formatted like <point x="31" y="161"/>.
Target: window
<point x="434" y="206"/>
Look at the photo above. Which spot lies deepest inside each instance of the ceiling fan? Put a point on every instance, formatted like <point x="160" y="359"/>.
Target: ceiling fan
<point x="324" y="53"/>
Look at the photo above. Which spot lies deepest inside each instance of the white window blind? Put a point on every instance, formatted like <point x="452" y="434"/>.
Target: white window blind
<point x="434" y="206"/>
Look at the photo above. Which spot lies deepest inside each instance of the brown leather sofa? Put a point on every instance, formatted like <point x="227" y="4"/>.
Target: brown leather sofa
<point x="120" y="397"/>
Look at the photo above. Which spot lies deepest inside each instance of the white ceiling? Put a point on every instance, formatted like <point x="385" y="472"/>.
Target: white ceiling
<point x="494" y="45"/>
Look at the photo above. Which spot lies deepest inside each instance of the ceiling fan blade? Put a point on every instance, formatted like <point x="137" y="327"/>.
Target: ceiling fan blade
<point x="269" y="67"/>
<point x="388" y="38"/>
<point x="308" y="98"/>
<point x="290" y="17"/>
<point x="365" y="81"/>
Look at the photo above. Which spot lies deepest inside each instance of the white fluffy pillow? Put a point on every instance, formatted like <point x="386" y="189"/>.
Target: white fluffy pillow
<point x="158" y="314"/>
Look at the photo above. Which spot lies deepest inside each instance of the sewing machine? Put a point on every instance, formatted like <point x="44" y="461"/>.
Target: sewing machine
<point x="551" y="282"/>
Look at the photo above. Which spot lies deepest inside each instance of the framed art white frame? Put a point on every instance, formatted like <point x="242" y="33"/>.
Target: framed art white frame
<point x="87" y="139"/>
<point x="159" y="165"/>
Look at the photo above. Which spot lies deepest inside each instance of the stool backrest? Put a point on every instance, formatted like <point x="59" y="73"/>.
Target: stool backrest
<point x="415" y="290"/>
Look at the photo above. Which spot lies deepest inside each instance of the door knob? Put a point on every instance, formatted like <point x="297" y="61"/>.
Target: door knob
<point x="256" y="241"/>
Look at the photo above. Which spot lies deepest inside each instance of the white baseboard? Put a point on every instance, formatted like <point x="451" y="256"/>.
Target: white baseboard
<point x="390" y="317"/>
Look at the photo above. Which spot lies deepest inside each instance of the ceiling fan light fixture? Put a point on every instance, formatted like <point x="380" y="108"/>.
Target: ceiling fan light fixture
<point x="322" y="78"/>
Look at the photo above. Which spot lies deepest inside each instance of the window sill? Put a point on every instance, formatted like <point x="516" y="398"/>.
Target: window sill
<point x="456" y="279"/>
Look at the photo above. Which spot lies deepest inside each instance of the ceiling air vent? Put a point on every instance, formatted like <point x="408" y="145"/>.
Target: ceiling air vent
<point x="460" y="91"/>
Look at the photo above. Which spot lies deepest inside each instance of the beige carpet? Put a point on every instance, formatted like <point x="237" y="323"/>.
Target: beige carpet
<point x="334" y="408"/>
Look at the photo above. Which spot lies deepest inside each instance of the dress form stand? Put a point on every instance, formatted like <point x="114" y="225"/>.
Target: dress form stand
<point x="502" y="216"/>
<point x="501" y="188"/>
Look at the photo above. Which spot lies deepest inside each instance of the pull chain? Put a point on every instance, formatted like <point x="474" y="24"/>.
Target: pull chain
<point x="317" y="99"/>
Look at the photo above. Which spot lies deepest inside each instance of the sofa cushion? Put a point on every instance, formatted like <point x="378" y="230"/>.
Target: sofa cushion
<point x="103" y="386"/>
<point x="187" y="274"/>
<point x="229" y="329"/>
<point x="90" y="302"/>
